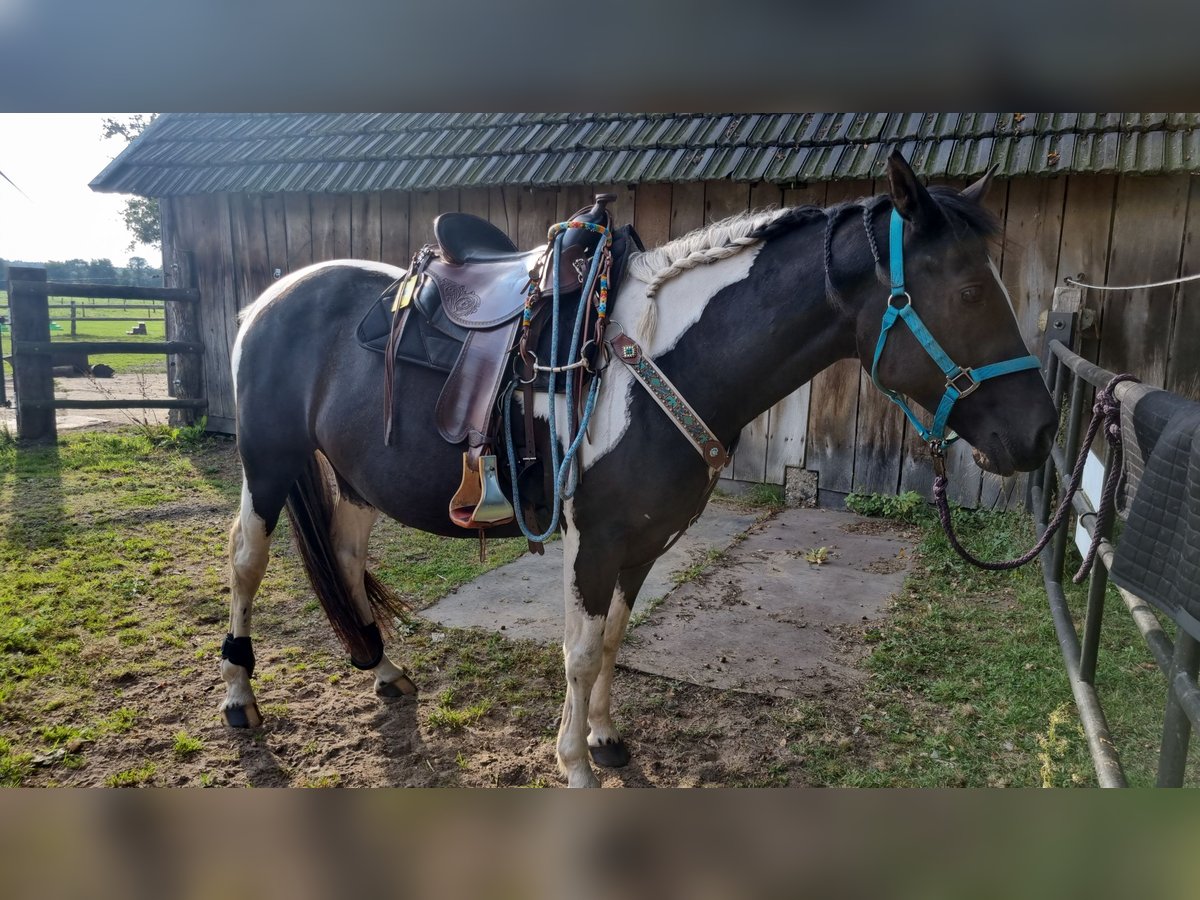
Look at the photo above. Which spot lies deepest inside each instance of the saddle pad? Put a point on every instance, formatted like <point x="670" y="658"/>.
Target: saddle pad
<point x="1158" y="553"/>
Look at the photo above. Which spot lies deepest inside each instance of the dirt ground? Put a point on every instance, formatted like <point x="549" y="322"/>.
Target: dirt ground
<point x="487" y="713"/>
<point x="73" y="386"/>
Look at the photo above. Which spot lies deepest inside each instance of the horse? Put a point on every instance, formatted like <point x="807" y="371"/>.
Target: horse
<point x="737" y="315"/>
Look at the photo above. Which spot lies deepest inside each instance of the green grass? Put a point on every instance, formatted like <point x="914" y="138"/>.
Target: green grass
<point x="967" y="685"/>
<point x="87" y="330"/>
<point x="133" y="777"/>
<point x="185" y="745"/>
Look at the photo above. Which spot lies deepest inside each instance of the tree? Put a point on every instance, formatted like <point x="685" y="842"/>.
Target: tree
<point x="140" y="213"/>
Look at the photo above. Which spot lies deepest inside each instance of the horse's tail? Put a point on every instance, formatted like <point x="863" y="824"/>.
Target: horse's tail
<point x="310" y="506"/>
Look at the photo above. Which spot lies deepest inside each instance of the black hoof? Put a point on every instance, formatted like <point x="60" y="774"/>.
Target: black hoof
<point x="242" y="716"/>
<point x="611" y="755"/>
<point x="401" y="687"/>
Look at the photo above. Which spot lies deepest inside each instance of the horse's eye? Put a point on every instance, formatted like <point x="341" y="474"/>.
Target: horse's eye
<point x="971" y="294"/>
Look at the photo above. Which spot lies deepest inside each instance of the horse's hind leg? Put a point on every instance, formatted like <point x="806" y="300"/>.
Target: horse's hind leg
<point x="351" y="527"/>
<point x="249" y="550"/>
<point x="604" y="741"/>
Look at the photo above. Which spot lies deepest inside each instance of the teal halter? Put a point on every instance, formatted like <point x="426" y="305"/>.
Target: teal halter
<point x="961" y="381"/>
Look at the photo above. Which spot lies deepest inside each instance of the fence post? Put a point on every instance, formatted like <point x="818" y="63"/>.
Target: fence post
<point x="33" y="380"/>
<point x="185" y="371"/>
<point x="73" y="333"/>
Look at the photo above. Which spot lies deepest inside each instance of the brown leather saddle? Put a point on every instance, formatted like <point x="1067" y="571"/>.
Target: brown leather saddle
<point x="460" y="310"/>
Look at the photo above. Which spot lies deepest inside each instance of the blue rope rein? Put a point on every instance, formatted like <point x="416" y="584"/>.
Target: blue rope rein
<point x="564" y="468"/>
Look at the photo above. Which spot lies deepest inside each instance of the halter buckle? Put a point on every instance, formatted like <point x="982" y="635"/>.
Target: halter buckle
<point x="952" y="382"/>
<point x="937" y="452"/>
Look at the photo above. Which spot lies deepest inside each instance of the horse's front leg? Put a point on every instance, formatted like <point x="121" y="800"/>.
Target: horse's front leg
<point x="604" y="741"/>
<point x="589" y="578"/>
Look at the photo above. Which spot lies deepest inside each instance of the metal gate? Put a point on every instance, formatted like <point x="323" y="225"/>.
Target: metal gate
<point x="1072" y="379"/>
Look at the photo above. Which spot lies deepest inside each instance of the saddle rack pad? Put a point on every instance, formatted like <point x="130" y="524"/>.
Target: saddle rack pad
<point x="1158" y="553"/>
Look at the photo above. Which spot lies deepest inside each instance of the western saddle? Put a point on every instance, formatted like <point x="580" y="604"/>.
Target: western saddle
<point x="472" y="292"/>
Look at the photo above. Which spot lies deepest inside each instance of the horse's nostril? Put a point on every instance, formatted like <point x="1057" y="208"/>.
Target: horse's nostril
<point x="1045" y="439"/>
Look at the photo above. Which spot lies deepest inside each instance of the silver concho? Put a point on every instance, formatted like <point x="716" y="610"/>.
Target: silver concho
<point x="581" y="268"/>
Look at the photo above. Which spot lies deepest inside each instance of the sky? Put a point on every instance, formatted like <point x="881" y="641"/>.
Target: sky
<point x="52" y="157"/>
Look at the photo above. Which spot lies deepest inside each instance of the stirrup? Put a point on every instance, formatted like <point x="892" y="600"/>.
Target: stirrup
<point x="479" y="502"/>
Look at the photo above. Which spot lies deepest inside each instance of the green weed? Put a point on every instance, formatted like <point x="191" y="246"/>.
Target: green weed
<point x="186" y="745"/>
<point x="132" y="777"/>
<point x="908" y="507"/>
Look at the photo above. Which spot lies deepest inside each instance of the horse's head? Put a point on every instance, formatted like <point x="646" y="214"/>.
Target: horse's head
<point x="955" y="289"/>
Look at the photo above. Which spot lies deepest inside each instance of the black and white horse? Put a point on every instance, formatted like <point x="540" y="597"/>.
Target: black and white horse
<point x="738" y="315"/>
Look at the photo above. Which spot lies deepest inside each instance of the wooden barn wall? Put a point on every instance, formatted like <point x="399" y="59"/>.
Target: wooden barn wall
<point x="1108" y="228"/>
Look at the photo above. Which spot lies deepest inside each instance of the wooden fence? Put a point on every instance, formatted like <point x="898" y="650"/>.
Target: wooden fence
<point x="34" y="354"/>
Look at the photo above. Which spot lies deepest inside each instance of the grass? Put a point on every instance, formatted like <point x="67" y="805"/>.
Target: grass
<point x="967" y="685"/>
<point x="133" y="777"/>
<point x="186" y="745"/>
<point x="88" y="330"/>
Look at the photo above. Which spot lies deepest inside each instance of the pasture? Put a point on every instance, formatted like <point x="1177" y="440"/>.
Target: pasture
<point x="88" y="329"/>
<point x="113" y="603"/>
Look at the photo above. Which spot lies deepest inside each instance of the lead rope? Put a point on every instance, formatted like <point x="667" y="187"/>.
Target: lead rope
<point x="1106" y="409"/>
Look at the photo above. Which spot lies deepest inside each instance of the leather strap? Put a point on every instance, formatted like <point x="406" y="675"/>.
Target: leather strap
<point x="670" y="401"/>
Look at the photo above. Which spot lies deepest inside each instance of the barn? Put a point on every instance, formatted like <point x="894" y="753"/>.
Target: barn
<point x="1111" y="197"/>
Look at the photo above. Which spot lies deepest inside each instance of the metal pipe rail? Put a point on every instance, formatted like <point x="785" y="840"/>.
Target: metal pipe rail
<point x="1178" y="660"/>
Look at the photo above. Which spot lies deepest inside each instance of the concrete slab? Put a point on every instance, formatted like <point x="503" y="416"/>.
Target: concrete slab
<point x="524" y="599"/>
<point x="765" y="620"/>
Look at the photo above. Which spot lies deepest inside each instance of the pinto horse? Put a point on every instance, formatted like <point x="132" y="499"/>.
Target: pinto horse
<point x="737" y="315"/>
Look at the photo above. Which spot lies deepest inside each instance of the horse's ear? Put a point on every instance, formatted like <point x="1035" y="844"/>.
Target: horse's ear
<point x="911" y="199"/>
<point x="977" y="191"/>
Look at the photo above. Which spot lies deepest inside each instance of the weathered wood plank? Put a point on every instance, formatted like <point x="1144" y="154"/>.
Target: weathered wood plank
<point x="1147" y="237"/>
<point x="787" y="434"/>
<point x="502" y="209"/>
<point x="252" y="269"/>
<point x="764" y="195"/>
<point x="723" y="199"/>
<point x="571" y="199"/>
<point x="366" y="238"/>
<point x="687" y="208"/>
<point x="652" y="214"/>
<point x="1086" y="237"/>
<point x="330" y="226"/>
<point x="185" y="371"/>
<point x="298" y="221"/>
<point x="833" y="409"/>
<point x="323" y="211"/>
<point x="624" y="209"/>
<point x="1183" y="364"/>
<point x="275" y="223"/>
<point x="205" y="228"/>
<point x="474" y="201"/>
<point x="535" y="214"/>
<point x="1033" y="228"/>
<point x="423" y="209"/>
<point x="394" y="246"/>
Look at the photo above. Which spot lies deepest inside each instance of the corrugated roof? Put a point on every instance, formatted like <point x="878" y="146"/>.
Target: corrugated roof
<point x="196" y="153"/>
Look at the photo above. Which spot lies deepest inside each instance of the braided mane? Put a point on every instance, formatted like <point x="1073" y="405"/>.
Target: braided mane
<point x="731" y="236"/>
